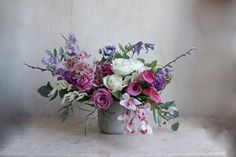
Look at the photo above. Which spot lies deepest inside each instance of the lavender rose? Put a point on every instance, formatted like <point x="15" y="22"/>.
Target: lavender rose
<point x="84" y="83"/>
<point x="102" y="99"/>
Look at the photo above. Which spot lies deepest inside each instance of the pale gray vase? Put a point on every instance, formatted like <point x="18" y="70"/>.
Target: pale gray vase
<point x="107" y="120"/>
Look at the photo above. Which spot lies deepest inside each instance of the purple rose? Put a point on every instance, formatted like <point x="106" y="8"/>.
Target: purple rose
<point x="106" y="69"/>
<point x="102" y="99"/>
<point x="84" y="83"/>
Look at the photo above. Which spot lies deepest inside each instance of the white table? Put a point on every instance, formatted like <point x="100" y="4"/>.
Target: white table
<point x="47" y="137"/>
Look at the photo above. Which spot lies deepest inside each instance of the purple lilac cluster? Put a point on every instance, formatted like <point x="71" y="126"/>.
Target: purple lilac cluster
<point x="161" y="79"/>
<point x="51" y="61"/>
<point x="72" y="43"/>
<point x="140" y="45"/>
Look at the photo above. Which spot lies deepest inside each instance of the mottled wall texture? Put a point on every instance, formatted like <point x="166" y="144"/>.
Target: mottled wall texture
<point x="204" y="83"/>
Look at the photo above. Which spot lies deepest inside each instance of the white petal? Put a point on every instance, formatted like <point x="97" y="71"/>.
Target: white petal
<point x="137" y="102"/>
<point x="149" y="129"/>
<point x="123" y="103"/>
<point x="132" y="107"/>
<point x="143" y="125"/>
<point x="125" y="96"/>
<point x="105" y="80"/>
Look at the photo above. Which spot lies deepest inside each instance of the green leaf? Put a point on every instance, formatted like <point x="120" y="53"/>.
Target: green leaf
<point x="141" y="59"/>
<point x="125" y="56"/>
<point x="55" y="52"/>
<point x="168" y="104"/>
<point x="62" y="92"/>
<point x="54" y="96"/>
<point x="144" y="84"/>
<point x="122" y="48"/>
<point x="117" y="94"/>
<point x="48" y="52"/>
<point x="45" y="90"/>
<point x="175" y="126"/>
<point x="61" y="51"/>
<point x="154" y="116"/>
<point x="153" y="64"/>
<point x="64" y="112"/>
<point x="117" y="55"/>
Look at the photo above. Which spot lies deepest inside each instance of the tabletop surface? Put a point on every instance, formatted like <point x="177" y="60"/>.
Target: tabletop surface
<point x="50" y="138"/>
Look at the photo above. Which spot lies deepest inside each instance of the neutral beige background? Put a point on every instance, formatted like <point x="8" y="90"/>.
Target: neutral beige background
<point x="204" y="83"/>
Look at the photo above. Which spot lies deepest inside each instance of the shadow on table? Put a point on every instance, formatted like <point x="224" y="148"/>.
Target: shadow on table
<point x="9" y="118"/>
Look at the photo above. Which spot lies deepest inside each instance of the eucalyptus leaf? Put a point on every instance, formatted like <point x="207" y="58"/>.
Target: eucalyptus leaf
<point x="48" y="52"/>
<point x="175" y="126"/>
<point x="55" y="52"/>
<point x="45" y="90"/>
<point x="61" y="51"/>
<point x="62" y="92"/>
<point x="154" y="116"/>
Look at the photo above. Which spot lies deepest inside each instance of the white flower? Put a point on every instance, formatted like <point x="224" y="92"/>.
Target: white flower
<point x="124" y="67"/>
<point x="138" y="66"/>
<point x="113" y="82"/>
<point x="145" y="128"/>
<point x="129" y="103"/>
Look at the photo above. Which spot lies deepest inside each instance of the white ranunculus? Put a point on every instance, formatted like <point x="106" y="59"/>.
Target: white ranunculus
<point x="124" y="67"/>
<point x="138" y="66"/>
<point x="113" y="82"/>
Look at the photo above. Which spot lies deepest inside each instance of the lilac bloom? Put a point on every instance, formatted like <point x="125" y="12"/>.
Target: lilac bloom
<point x="52" y="60"/>
<point x="108" y="51"/>
<point x="68" y="76"/>
<point x="72" y="43"/>
<point x="140" y="45"/>
<point x="159" y="83"/>
<point x="148" y="46"/>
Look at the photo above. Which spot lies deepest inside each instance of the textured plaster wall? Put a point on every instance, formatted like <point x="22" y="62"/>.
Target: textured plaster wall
<point x="204" y="83"/>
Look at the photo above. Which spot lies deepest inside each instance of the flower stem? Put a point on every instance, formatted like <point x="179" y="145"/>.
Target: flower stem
<point x="177" y="58"/>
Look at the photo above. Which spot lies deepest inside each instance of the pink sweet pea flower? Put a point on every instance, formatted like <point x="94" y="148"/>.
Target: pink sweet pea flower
<point x="153" y="94"/>
<point x="147" y="75"/>
<point x="134" y="89"/>
<point x="82" y="55"/>
<point x="129" y="103"/>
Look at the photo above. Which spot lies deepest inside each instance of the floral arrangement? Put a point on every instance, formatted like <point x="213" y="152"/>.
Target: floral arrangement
<point x="136" y="84"/>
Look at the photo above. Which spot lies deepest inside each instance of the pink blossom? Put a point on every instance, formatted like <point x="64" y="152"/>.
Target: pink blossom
<point x="134" y="89"/>
<point x="141" y="114"/>
<point x="153" y="94"/>
<point x="69" y="63"/>
<point x="82" y="55"/>
<point x="79" y="67"/>
<point x="129" y="102"/>
<point x="102" y="99"/>
<point x="84" y="83"/>
<point x="145" y="128"/>
<point x="147" y="75"/>
<point x="128" y="119"/>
